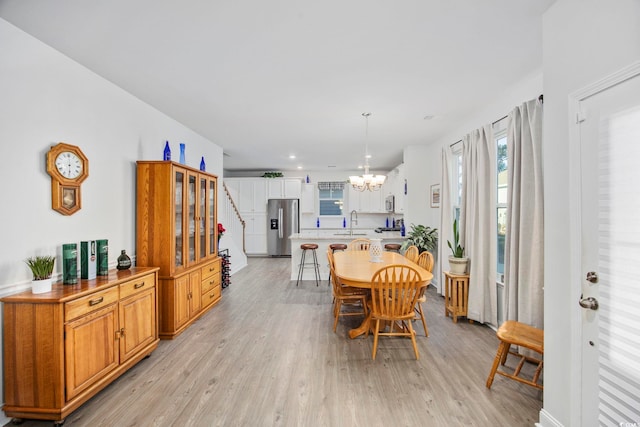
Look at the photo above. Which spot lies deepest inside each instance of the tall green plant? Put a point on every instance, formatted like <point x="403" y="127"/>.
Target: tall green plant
<point x="456" y="249"/>
<point x="424" y="238"/>
<point x="41" y="266"/>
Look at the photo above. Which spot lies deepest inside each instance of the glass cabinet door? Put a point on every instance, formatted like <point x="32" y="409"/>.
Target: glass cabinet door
<point x="202" y="218"/>
<point x="211" y="213"/>
<point x="178" y="212"/>
<point x="191" y="218"/>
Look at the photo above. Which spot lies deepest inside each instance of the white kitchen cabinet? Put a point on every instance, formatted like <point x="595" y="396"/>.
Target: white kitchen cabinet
<point x="251" y="200"/>
<point x="399" y="189"/>
<point x="367" y="201"/>
<point x="255" y="233"/>
<point x="308" y="199"/>
<point x="252" y="195"/>
<point x="284" y="188"/>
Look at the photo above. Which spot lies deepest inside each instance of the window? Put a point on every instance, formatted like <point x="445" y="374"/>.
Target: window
<point x="331" y="198"/>
<point x="500" y="135"/>
<point x="456" y="198"/>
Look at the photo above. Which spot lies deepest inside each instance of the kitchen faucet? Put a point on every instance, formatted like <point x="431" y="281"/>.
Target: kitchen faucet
<point x="351" y="221"/>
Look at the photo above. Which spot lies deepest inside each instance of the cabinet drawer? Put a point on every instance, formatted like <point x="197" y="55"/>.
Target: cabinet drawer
<point x="134" y="286"/>
<point x="210" y="269"/>
<point x="84" y="305"/>
<point x="210" y="282"/>
<point x="211" y="296"/>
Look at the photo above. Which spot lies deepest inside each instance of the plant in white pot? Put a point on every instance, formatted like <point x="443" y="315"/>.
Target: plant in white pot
<point x="457" y="261"/>
<point x="42" y="269"/>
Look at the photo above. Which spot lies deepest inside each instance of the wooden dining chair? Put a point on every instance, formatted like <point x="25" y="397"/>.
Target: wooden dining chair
<point x="360" y="244"/>
<point x="345" y="296"/>
<point x="412" y="253"/>
<point x="394" y="292"/>
<point x="426" y="261"/>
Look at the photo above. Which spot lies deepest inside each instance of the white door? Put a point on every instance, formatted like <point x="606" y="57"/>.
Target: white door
<point x="610" y="255"/>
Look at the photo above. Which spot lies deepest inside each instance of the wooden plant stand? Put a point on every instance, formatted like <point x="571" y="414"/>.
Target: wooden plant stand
<point x="456" y="295"/>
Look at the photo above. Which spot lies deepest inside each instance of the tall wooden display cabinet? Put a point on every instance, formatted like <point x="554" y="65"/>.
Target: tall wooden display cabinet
<point x="177" y="231"/>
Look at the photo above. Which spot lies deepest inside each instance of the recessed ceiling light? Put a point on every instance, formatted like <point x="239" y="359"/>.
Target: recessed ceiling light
<point x="368" y="156"/>
<point x="292" y="156"/>
<point x="360" y="166"/>
<point x="428" y="117"/>
<point x="299" y="167"/>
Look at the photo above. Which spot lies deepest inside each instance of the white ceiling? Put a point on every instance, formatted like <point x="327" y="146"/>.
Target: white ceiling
<point x="266" y="79"/>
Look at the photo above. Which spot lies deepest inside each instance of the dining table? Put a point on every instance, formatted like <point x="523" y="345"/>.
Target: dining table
<point x="355" y="268"/>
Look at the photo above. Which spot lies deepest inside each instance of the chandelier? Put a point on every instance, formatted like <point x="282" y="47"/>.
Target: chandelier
<point x="367" y="181"/>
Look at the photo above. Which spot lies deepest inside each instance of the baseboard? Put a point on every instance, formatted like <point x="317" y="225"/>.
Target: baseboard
<point x="547" y="420"/>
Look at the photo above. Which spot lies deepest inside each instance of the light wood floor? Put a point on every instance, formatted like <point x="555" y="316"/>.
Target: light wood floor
<point x="266" y="355"/>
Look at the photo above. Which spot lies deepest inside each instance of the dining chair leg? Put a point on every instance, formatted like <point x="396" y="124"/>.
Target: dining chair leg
<point x="375" y="338"/>
<point x="336" y="314"/>
<point x="413" y="340"/>
<point x="424" y="323"/>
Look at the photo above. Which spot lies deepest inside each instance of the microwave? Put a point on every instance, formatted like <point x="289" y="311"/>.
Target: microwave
<point x="390" y="203"/>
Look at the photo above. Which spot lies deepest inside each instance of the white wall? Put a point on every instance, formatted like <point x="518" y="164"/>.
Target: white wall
<point x="47" y="98"/>
<point x="584" y="41"/>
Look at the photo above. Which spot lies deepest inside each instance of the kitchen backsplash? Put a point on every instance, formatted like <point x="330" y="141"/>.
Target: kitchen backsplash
<point x="365" y="220"/>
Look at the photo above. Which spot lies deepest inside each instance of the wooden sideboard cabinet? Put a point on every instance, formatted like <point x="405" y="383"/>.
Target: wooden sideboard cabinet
<point x="64" y="346"/>
<point x="177" y="230"/>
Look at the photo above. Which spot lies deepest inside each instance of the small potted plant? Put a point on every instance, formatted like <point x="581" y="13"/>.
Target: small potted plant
<point x="42" y="269"/>
<point x="457" y="261"/>
<point x="423" y="237"/>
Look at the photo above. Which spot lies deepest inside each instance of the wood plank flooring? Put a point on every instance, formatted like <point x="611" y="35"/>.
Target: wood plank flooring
<point x="266" y="355"/>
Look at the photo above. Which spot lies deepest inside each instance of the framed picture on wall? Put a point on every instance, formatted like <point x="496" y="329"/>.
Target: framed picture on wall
<point x="435" y="196"/>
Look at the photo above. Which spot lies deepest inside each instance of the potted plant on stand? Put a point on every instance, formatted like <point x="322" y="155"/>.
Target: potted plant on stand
<point x="42" y="269"/>
<point x="457" y="261"/>
<point x="423" y="237"/>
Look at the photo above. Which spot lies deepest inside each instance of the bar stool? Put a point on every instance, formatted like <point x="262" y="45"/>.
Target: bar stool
<point x="392" y="247"/>
<point x="309" y="247"/>
<point x="335" y="247"/>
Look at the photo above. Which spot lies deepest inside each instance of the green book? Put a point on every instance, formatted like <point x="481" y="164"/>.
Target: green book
<point x="88" y="259"/>
<point x="103" y="257"/>
<point x="70" y="263"/>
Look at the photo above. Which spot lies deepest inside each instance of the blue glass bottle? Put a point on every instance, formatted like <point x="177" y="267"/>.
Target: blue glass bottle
<point x="167" y="152"/>
<point x="344" y="222"/>
<point x="318" y="222"/>
<point x="203" y="167"/>
<point x="182" y="153"/>
<point x="402" y="230"/>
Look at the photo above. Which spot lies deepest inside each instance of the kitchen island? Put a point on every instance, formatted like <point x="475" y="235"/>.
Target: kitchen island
<point x="326" y="236"/>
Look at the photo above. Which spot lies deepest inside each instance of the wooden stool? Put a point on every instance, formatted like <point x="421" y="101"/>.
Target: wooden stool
<point x="520" y="334"/>
<point x="395" y="247"/>
<point x="316" y="267"/>
<point x="456" y="295"/>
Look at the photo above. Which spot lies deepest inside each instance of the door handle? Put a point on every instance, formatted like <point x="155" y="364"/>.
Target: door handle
<point x="280" y="233"/>
<point x="589" y="303"/>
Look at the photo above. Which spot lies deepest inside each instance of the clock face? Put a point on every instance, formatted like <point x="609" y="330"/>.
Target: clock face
<point x="69" y="165"/>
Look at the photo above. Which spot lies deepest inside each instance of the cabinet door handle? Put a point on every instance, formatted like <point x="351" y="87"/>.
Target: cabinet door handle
<point x="96" y="301"/>
<point x="211" y="295"/>
<point x="211" y="282"/>
<point x="138" y="285"/>
<point x="211" y="268"/>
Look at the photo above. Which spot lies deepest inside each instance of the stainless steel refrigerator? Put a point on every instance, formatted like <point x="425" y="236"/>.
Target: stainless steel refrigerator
<point x="283" y="220"/>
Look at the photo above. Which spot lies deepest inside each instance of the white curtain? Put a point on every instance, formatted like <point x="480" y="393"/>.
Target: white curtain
<point x="524" y="256"/>
<point x="478" y="217"/>
<point x="446" y="215"/>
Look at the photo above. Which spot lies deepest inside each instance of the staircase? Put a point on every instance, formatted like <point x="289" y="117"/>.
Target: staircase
<point x="233" y="238"/>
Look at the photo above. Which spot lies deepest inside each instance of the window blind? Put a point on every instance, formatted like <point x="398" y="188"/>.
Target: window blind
<point x="331" y="185"/>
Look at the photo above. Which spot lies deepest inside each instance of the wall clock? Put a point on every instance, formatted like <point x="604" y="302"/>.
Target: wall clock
<point x="68" y="167"/>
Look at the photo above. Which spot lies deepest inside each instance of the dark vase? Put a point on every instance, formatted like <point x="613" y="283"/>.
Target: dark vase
<point x="124" y="262"/>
